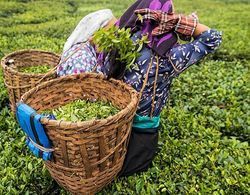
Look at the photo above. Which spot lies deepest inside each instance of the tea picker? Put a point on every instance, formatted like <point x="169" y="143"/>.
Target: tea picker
<point x="161" y="55"/>
<point x="94" y="152"/>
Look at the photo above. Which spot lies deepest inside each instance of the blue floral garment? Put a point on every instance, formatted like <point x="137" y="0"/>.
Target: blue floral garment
<point x="182" y="56"/>
<point x="83" y="58"/>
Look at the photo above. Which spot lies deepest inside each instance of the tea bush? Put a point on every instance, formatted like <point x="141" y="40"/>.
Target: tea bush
<point x="205" y="127"/>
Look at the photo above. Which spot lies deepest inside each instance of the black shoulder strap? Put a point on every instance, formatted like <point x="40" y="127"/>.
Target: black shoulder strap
<point x="33" y="128"/>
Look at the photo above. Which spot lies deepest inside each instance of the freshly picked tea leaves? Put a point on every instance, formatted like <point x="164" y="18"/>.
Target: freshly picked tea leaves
<point x="35" y="69"/>
<point x="82" y="110"/>
<point x="120" y="40"/>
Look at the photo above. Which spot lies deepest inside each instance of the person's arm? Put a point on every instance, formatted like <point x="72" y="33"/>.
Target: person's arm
<point x="110" y="23"/>
<point x="205" y="41"/>
<point x="200" y="28"/>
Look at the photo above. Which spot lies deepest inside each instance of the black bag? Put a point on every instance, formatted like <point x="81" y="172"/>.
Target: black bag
<point x="142" y="149"/>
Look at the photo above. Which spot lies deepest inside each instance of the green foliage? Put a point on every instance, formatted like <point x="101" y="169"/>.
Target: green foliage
<point x="3" y="93"/>
<point x="20" y="172"/>
<point x="220" y="96"/>
<point x="82" y="110"/>
<point x="41" y="69"/>
<point x="231" y="17"/>
<point x="119" y="39"/>
<point x="10" y="9"/>
<point x="204" y="138"/>
<point x="193" y="162"/>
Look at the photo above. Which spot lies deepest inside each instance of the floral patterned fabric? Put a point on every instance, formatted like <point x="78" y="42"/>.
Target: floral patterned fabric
<point x="182" y="56"/>
<point x="83" y="58"/>
<point x="79" y="58"/>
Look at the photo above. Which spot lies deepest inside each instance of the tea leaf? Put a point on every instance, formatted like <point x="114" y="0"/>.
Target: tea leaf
<point x="35" y="69"/>
<point x="81" y="110"/>
<point x="119" y="39"/>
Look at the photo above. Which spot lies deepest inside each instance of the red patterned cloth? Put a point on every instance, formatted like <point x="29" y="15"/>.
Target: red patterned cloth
<point x="184" y="25"/>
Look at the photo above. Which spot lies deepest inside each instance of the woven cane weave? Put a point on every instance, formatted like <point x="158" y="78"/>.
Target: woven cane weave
<point x="18" y="82"/>
<point x="89" y="154"/>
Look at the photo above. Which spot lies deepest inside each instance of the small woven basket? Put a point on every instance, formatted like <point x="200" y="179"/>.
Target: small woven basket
<point x="87" y="155"/>
<point x="18" y="82"/>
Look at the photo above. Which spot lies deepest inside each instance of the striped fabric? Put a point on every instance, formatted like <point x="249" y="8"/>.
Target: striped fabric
<point x="185" y="25"/>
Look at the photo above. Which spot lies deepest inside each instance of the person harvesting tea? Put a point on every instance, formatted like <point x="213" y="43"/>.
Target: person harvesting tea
<point x="149" y="65"/>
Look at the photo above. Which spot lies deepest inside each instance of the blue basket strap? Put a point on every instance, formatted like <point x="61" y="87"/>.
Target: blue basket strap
<point x="37" y="141"/>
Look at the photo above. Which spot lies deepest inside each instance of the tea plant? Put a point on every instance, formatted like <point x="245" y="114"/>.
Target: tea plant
<point x="204" y="136"/>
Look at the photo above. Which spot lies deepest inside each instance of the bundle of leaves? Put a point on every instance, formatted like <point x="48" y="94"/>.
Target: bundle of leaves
<point x="120" y="41"/>
<point x="35" y="69"/>
<point x="82" y="110"/>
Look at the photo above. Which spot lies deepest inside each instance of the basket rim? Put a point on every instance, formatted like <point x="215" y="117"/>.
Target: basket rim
<point x="4" y="59"/>
<point x="88" y="123"/>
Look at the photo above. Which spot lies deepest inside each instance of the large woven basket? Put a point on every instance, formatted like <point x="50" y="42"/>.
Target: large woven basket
<point x="17" y="82"/>
<point x="87" y="155"/>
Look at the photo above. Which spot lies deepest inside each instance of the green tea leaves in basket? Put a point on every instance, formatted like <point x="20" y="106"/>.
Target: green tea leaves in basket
<point x="82" y="110"/>
<point x="35" y="69"/>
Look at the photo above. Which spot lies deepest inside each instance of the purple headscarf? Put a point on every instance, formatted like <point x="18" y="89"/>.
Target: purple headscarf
<point x="160" y="44"/>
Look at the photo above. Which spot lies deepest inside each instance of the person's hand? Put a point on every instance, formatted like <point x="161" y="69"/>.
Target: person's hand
<point x="200" y="28"/>
<point x="91" y="41"/>
<point x="110" y="23"/>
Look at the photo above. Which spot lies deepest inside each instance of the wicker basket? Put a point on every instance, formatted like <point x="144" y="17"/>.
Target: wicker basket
<point x="87" y="155"/>
<point x="17" y="82"/>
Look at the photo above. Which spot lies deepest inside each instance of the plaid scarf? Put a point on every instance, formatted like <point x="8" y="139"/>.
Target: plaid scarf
<point x="159" y="44"/>
<point x="184" y="25"/>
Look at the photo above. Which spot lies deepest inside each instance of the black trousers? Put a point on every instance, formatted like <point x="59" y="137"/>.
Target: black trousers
<point x="142" y="149"/>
